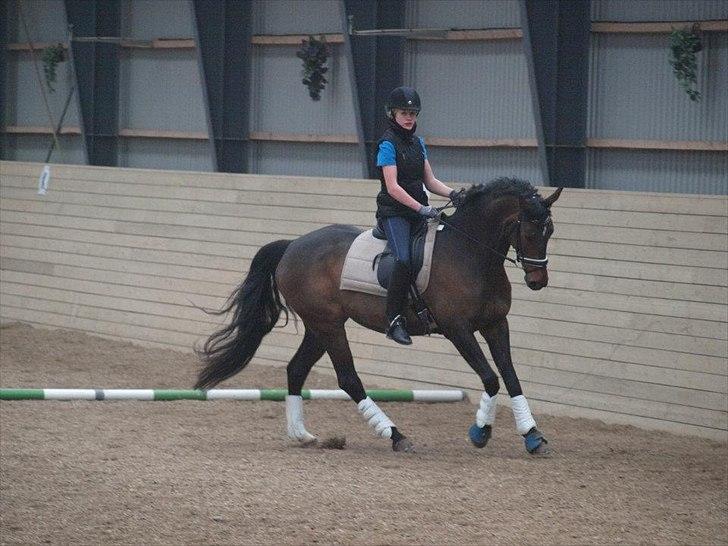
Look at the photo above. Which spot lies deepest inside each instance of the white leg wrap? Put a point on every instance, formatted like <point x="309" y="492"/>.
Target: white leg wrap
<point x="522" y="414"/>
<point x="486" y="411"/>
<point x="294" y="418"/>
<point x="376" y="418"/>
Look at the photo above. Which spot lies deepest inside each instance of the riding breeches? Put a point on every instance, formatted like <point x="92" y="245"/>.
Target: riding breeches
<point x="398" y="230"/>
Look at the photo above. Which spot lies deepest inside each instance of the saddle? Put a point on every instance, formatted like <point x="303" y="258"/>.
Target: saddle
<point x="369" y="262"/>
<point x="384" y="261"/>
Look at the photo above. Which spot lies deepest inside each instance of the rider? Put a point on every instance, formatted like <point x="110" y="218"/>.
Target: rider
<point x="402" y="202"/>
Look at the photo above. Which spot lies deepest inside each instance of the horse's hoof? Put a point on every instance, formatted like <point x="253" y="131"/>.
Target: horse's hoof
<point x="542" y="450"/>
<point x="404" y="445"/>
<point x="479" y="435"/>
<point x="536" y="443"/>
<point x="304" y="440"/>
<point x="309" y="442"/>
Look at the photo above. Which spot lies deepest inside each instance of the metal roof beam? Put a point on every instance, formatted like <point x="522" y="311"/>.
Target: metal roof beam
<point x="4" y="40"/>
<point x="556" y="43"/>
<point x="224" y="30"/>
<point x="97" y="76"/>
<point x="375" y="67"/>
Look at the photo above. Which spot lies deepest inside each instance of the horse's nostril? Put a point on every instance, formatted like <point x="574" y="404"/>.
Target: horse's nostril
<point x="537" y="279"/>
<point x="536" y="285"/>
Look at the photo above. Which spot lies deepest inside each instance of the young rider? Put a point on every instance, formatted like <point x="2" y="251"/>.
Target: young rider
<point x="402" y="202"/>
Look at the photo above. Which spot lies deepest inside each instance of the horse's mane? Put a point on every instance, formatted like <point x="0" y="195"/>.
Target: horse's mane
<point x="504" y="186"/>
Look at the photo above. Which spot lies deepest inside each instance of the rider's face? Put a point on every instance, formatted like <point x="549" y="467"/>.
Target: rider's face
<point x="405" y="118"/>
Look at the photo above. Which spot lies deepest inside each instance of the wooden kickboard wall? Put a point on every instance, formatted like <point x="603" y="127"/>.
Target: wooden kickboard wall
<point x="632" y="329"/>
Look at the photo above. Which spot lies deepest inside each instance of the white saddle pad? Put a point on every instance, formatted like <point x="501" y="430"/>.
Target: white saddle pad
<point x="358" y="274"/>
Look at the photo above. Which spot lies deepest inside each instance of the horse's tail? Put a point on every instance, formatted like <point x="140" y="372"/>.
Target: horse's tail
<point x="256" y="306"/>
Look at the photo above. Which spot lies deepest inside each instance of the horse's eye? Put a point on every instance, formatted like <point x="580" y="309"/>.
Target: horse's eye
<point x="532" y="234"/>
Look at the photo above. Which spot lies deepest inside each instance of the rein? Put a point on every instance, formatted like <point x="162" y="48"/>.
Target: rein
<point x="520" y="258"/>
<point x="481" y="243"/>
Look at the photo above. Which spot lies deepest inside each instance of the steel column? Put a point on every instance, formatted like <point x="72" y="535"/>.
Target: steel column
<point x="375" y="68"/>
<point x="224" y="30"/>
<point x="556" y="36"/>
<point x="97" y="75"/>
<point x="3" y="77"/>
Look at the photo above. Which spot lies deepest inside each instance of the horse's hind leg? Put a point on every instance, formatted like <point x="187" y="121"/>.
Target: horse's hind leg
<point x="338" y="348"/>
<point x="498" y="339"/>
<point x="310" y="351"/>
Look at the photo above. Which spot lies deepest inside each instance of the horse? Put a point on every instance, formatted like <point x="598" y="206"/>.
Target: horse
<point x="468" y="292"/>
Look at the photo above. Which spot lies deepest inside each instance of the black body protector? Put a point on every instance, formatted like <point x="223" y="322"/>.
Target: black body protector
<point x="410" y="173"/>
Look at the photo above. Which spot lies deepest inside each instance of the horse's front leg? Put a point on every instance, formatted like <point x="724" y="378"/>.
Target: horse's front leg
<point x="468" y="347"/>
<point x="498" y="339"/>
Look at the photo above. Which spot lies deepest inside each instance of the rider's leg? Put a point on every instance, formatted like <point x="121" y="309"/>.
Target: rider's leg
<point x="397" y="230"/>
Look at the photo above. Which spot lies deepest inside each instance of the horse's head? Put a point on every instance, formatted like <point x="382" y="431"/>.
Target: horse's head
<point x="512" y="211"/>
<point x="530" y="236"/>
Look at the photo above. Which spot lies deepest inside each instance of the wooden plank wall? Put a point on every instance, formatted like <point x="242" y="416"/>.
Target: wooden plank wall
<point x="632" y="329"/>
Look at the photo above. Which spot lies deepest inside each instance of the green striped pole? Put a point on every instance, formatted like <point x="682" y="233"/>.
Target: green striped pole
<point x="381" y="395"/>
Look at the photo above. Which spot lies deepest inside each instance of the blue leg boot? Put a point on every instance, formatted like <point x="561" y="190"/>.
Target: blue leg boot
<point x="479" y="435"/>
<point x="536" y="443"/>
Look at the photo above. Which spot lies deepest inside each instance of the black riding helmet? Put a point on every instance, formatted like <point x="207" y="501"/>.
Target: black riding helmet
<point x="404" y="98"/>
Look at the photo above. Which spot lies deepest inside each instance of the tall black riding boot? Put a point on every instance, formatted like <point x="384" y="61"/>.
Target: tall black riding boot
<point x="399" y="282"/>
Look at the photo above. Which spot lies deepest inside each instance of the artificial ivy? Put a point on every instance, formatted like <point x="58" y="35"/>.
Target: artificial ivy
<point x="314" y="53"/>
<point x="52" y="56"/>
<point x="684" y="44"/>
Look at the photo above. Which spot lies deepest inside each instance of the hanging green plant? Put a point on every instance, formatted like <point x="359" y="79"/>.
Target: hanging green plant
<point x="684" y="44"/>
<point x="314" y="53"/>
<point x="52" y="56"/>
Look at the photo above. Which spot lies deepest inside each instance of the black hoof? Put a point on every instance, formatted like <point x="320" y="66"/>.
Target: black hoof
<point x="404" y="445"/>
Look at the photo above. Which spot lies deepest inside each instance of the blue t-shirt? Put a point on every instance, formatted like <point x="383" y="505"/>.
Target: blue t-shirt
<point x="387" y="156"/>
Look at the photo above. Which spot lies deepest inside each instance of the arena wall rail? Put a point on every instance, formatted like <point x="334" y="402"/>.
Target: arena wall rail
<point x="633" y="328"/>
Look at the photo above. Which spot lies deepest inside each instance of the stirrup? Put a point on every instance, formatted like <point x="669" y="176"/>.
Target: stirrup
<point x="397" y="331"/>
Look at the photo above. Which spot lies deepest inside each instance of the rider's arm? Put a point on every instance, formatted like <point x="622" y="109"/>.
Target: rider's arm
<point x="433" y="184"/>
<point x="397" y="191"/>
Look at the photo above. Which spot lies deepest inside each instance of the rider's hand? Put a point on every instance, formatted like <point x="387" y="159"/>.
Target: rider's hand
<point x="457" y="197"/>
<point x="429" y="212"/>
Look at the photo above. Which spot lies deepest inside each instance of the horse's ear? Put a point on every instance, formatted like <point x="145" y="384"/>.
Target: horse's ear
<point x="551" y="199"/>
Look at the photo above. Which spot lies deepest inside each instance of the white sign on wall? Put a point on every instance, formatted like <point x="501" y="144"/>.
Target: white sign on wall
<point x="44" y="179"/>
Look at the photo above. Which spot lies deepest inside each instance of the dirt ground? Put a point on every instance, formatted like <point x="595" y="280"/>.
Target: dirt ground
<point x="223" y="472"/>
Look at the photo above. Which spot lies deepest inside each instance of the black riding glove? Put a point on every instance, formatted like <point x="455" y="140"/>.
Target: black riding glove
<point x="429" y="212"/>
<point x="457" y="197"/>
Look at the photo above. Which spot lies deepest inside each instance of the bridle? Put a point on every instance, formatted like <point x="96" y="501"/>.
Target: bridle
<point x="539" y="263"/>
<point x="525" y="260"/>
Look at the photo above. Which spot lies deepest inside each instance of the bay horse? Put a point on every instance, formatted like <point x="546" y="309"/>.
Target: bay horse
<point x="468" y="292"/>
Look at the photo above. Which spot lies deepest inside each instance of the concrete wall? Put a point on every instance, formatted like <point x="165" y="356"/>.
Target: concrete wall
<point x="632" y="328"/>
